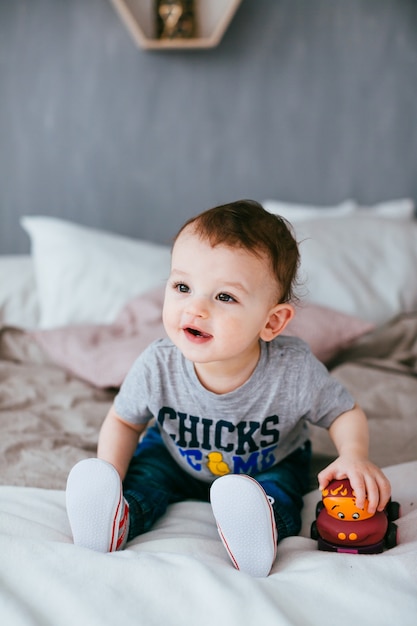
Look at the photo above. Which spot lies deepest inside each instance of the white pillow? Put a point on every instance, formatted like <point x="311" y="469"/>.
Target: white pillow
<point x="395" y="209"/>
<point x="363" y="267"/>
<point x="86" y="275"/>
<point x="18" y="293"/>
<point x="296" y="212"/>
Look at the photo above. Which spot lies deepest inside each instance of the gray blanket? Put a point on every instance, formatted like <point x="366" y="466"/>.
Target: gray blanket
<point x="380" y="370"/>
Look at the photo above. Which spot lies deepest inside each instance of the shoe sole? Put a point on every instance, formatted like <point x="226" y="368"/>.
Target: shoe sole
<point x="93" y="500"/>
<point x="246" y="524"/>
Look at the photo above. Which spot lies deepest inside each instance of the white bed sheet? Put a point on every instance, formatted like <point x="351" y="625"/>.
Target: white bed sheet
<point x="179" y="573"/>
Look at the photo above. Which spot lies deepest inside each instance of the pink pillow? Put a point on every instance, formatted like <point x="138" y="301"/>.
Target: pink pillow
<point x="325" y="330"/>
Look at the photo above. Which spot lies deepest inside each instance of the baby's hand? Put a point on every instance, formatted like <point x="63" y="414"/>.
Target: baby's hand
<point x="366" y="479"/>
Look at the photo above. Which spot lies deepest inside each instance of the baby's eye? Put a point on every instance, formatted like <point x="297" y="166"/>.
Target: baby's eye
<point x="225" y="297"/>
<point x="181" y="287"/>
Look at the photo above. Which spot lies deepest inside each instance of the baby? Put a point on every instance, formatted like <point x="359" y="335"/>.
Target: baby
<point x="220" y="408"/>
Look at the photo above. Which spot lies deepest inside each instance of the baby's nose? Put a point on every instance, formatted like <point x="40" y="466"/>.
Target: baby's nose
<point x="197" y="307"/>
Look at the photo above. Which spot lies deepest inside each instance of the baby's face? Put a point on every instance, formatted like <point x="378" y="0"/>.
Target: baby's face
<point x="217" y="300"/>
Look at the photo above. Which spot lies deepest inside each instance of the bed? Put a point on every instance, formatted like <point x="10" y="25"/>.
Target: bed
<point x="73" y="316"/>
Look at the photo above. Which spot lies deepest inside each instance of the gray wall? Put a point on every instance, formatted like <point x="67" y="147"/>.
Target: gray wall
<point x="304" y="100"/>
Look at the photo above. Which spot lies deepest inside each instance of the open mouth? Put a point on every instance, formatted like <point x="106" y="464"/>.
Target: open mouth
<point x="197" y="333"/>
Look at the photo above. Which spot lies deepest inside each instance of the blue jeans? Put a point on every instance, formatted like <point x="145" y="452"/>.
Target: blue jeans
<point x="154" y="480"/>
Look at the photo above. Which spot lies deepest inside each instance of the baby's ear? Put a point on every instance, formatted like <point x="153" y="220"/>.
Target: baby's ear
<point x="278" y="319"/>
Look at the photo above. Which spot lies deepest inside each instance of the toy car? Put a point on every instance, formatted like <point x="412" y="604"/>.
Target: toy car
<point x="341" y="527"/>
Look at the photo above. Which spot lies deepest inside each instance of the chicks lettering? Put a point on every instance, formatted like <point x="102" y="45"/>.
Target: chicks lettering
<point x="221" y="446"/>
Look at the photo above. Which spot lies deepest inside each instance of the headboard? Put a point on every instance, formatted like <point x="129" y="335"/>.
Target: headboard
<point x="302" y="101"/>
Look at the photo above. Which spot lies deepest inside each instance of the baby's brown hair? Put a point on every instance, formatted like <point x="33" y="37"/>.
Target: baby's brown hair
<point x="247" y="225"/>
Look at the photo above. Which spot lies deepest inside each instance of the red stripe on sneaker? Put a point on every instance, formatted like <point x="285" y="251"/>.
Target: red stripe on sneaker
<point x="113" y="538"/>
<point x="226" y="545"/>
<point x="123" y="526"/>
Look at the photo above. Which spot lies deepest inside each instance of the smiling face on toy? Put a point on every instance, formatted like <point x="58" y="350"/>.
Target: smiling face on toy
<point x="340" y="502"/>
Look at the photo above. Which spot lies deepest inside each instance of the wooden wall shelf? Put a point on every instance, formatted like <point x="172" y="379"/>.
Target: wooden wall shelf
<point x="213" y="18"/>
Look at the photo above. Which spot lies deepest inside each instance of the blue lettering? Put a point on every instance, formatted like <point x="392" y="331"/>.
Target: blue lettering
<point x="240" y="466"/>
<point x="267" y="458"/>
<point x="192" y="456"/>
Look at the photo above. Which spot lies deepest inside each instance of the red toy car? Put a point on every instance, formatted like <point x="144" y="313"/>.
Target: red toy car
<point x="341" y="527"/>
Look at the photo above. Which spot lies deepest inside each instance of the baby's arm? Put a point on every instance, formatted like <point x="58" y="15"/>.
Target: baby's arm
<point x="117" y="441"/>
<point x="349" y="433"/>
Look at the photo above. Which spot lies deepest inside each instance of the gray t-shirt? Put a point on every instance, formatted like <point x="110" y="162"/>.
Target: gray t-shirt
<point x="245" y="431"/>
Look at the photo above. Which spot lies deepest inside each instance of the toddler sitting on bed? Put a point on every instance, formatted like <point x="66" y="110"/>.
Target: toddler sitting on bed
<point x="230" y="398"/>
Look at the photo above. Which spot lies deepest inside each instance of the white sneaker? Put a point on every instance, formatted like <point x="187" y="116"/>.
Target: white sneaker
<point x="96" y="509"/>
<point x="245" y="521"/>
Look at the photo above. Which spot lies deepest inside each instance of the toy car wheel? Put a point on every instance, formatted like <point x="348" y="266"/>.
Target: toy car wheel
<point x="391" y="536"/>
<point x="319" y="507"/>
<point x="314" y="533"/>
<point x="393" y="511"/>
